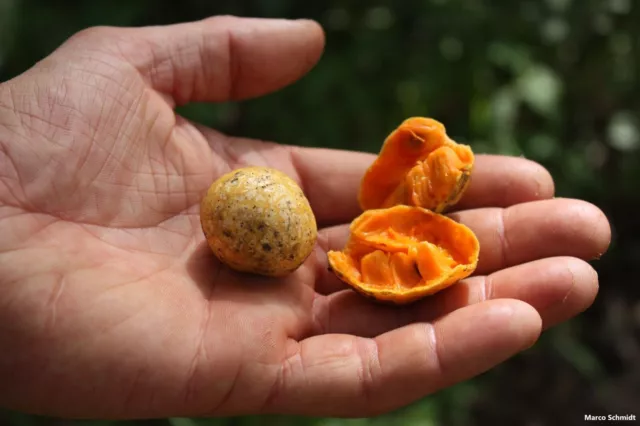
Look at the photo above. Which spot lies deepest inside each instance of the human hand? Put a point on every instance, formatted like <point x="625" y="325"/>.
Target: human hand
<point x="112" y="306"/>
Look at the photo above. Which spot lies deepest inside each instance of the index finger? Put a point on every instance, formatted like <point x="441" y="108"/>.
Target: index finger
<point x="331" y="179"/>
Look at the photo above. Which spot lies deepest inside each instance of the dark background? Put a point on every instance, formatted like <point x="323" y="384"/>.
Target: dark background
<point x="556" y="81"/>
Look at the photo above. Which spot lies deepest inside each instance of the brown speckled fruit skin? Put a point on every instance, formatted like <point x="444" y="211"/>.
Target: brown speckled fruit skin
<point x="258" y="220"/>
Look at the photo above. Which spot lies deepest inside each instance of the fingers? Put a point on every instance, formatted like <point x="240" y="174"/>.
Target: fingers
<point x="358" y="377"/>
<point x="508" y="237"/>
<point x="529" y="231"/>
<point x="331" y="238"/>
<point x="220" y="58"/>
<point x="496" y="182"/>
<point x="558" y="288"/>
<point x="331" y="179"/>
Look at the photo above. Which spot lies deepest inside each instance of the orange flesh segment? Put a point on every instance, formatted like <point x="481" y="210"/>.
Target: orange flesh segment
<point x="406" y="145"/>
<point x="418" y="165"/>
<point x="435" y="178"/>
<point x="421" y="263"/>
<point x="399" y="227"/>
<point x="432" y="261"/>
<point x="405" y="249"/>
<point x="375" y="269"/>
<point x="404" y="270"/>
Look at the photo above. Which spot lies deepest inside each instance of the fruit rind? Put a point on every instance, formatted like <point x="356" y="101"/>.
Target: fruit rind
<point x="258" y="220"/>
<point x="444" y="236"/>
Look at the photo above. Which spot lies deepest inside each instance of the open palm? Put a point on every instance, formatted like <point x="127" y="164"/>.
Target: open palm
<point x="112" y="306"/>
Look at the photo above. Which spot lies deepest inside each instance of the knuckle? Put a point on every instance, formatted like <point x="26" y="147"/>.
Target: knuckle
<point x="369" y="370"/>
<point x="92" y="34"/>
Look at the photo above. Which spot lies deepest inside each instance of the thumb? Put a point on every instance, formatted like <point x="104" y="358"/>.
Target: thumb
<point x="220" y="58"/>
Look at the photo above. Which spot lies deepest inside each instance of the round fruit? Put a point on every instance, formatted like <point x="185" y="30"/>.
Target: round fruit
<point x="258" y="220"/>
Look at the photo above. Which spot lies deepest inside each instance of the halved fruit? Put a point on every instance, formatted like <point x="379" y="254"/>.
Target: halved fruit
<point x="418" y="165"/>
<point x="403" y="253"/>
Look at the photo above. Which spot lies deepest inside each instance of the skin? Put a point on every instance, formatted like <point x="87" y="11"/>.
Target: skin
<point x="112" y="306"/>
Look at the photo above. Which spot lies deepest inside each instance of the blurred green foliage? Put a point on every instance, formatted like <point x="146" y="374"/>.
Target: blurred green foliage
<point x="556" y="81"/>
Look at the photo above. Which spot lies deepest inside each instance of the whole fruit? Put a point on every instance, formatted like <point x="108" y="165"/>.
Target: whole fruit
<point x="258" y="220"/>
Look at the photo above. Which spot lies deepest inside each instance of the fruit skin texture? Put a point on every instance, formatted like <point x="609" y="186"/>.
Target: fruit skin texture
<point x="403" y="253"/>
<point x="418" y="165"/>
<point x="258" y="220"/>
